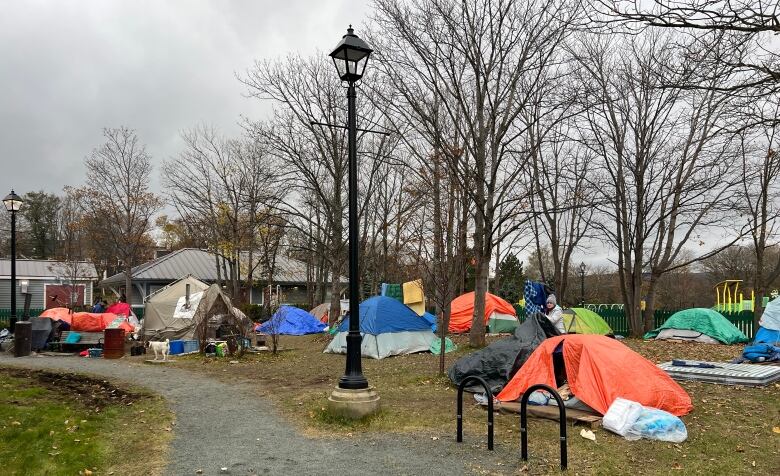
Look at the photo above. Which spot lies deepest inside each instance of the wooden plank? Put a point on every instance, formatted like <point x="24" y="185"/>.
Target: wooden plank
<point x="576" y="417"/>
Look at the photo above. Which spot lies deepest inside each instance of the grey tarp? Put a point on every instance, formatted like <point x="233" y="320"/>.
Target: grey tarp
<point x="42" y="328"/>
<point x="499" y="361"/>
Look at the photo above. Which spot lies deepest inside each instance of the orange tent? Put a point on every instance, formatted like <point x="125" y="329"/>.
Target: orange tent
<point x="599" y="370"/>
<point x="85" y="321"/>
<point x="462" y="310"/>
<point x="58" y="314"/>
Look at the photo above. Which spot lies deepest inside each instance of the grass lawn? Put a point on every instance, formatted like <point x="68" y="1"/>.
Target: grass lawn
<point x="730" y="430"/>
<point x="60" y="424"/>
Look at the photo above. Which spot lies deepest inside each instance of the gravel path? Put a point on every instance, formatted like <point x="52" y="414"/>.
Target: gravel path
<point x="253" y="438"/>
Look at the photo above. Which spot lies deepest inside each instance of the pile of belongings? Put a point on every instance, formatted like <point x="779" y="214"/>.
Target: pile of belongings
<point x="766" y="345"/>
<point x="598" y="370"/>
<point x="633" y="421"/>
<point x="498" y="362"/>
<point x="87" y="321"/>
<point x="699" y="325"/>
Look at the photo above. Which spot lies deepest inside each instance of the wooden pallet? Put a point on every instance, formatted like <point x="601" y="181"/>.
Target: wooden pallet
<point x="576" y="417"/>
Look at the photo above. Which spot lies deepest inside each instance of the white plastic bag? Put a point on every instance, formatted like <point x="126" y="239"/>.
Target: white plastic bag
<point x="655" y="424"/>
<point x="621" y="415"/>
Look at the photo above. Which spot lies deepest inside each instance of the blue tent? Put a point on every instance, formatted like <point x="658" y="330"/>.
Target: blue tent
<point x="289" y="320"/>
<point x="382" y="314"/>
<point x="431" y="320"/>
<point x="388" y="328"/>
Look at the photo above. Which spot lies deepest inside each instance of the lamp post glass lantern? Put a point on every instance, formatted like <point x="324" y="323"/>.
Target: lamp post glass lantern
<point x="582" y="284"/>
<point x="13" y="203"/>
<point x="350" y="58"/>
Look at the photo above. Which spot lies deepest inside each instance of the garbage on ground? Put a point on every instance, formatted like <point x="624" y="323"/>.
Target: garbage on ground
<point x="633" y="421"/>
<point x="588" y="435"/>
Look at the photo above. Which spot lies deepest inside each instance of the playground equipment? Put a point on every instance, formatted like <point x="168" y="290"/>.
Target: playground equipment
<point x="728" y="297"/>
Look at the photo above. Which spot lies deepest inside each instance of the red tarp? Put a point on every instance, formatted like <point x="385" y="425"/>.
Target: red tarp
<point x="462" y="310"/>
<point x="599" y="370"/>
<point x="85" y="321"/>
<point x="119" y="308"/>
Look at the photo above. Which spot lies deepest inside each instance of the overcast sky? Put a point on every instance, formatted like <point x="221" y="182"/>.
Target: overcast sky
<point x="70" y="68"/>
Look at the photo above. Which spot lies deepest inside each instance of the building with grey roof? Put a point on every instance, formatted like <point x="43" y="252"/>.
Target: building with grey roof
<point x="289" y="280"/>
<point x="48" y="283"/>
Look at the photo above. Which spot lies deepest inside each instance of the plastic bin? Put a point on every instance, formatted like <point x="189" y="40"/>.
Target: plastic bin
<point x="190" y="346"/>
<point x="176" y="347"/>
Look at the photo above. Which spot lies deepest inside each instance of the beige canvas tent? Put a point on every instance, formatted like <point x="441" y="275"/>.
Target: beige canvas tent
<point x="217" y="318"/>
<point x="168" y="315"/>
<point x="171" y="313"/>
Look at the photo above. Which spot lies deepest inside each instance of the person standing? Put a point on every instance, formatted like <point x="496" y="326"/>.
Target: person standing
<point x="555" y="314"/>
<point x="98" y="308"/>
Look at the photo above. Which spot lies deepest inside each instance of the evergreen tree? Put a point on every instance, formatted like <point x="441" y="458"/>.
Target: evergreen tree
<point x="511" y="278"/>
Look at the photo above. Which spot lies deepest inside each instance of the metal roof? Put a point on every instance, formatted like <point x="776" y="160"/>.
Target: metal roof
<point x="201" y="264"/>
<point x="35" y="268"/>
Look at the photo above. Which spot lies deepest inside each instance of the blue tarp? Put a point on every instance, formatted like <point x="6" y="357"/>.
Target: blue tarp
<point x="767" y="336"/>
<point x="535" y="296"/>
<point x="289" y="320"/>
<point x="431" y="320"/>
<point x="381" y="314"/>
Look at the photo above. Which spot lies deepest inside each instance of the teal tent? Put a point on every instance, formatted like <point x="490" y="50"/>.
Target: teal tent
<point x="699" y="325"/>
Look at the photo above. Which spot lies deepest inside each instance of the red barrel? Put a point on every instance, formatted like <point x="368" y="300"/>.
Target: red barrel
<point x="113" y="343"/>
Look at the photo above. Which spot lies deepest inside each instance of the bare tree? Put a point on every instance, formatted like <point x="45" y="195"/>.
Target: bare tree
<point x="665" y="165"/>
<point x="562" y="204"/>
<point x="482" y="60"/>
<point x="761" y="203"/>
<point x="313" y="158"/>
<point x="119" y="197"/>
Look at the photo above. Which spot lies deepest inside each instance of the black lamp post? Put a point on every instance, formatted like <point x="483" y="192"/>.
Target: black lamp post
<point x="13" y="203"/>
<point x="582" y="284"/>
<point x="350" y="57"/>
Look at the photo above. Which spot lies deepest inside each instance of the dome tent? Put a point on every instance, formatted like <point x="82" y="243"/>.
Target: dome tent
<point x="388" y="328"/>
<point x="599" y="370"/>
<point x="579" y="320"/>
<point x="699" y="325"/>
<point x="500" y="316"/>
<point x="292" y="321"/>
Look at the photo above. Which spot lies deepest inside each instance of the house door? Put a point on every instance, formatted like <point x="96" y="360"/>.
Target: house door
<point x="64" y="295"/>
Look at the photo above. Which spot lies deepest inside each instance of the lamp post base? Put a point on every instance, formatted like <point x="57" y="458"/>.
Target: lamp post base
<point x="354" y="404"/>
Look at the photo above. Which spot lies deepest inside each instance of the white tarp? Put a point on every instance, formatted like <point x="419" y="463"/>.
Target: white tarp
<point x="184" y="311"/>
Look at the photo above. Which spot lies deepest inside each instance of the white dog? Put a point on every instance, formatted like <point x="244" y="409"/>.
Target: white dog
<point x="161" y="347"/>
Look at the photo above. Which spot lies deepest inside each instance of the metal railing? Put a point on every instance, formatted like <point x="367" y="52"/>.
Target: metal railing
<point x="489" y="396"/>
<point x="524" y="422"/>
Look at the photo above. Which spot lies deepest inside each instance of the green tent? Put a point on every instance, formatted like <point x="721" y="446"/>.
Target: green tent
<point x="692" y="324"/>
<point x="579" y="320"/>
